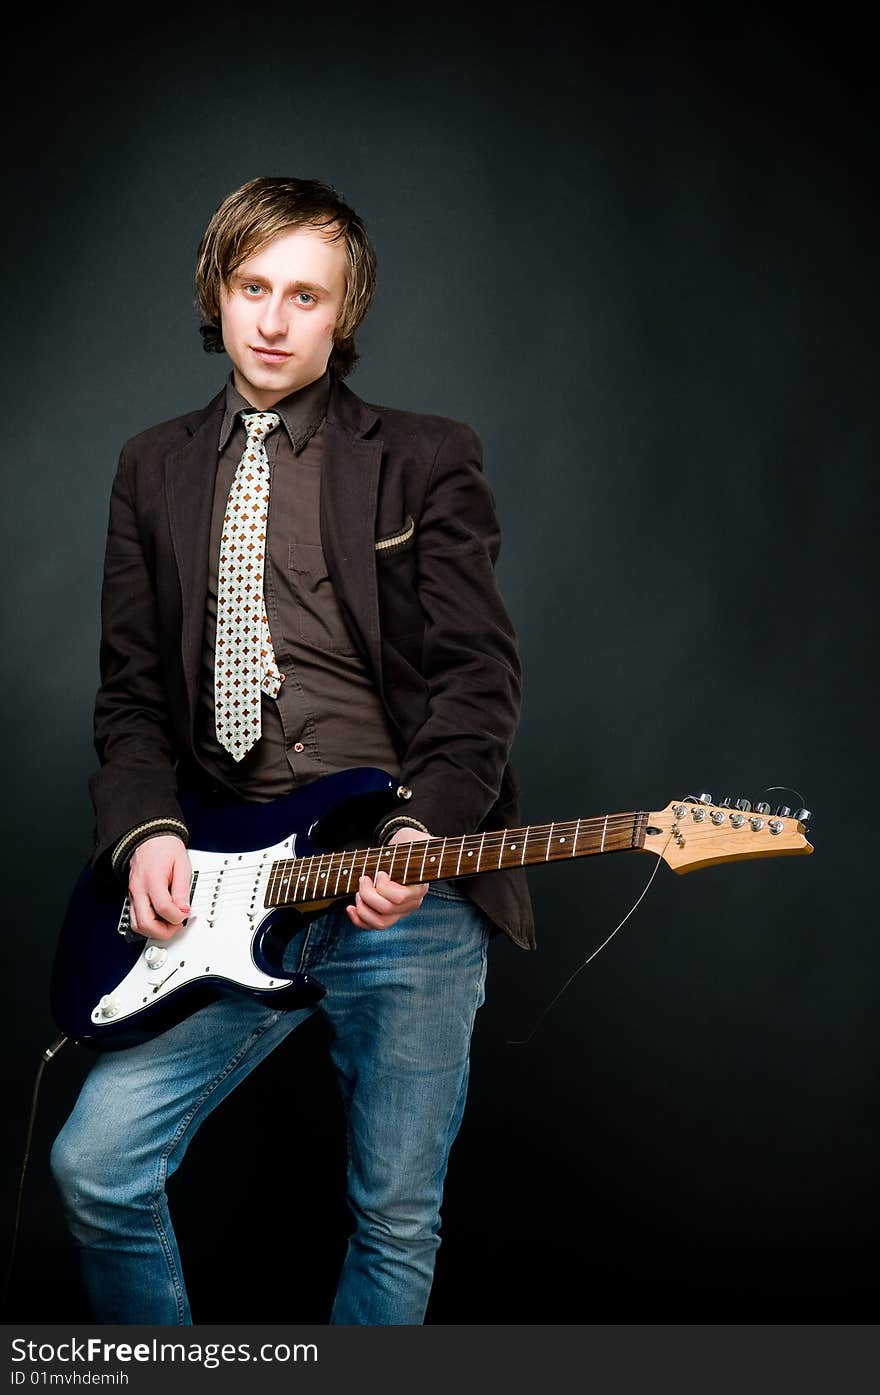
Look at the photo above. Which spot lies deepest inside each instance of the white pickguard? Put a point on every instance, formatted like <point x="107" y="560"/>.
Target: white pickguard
<point x="227" y="909"/>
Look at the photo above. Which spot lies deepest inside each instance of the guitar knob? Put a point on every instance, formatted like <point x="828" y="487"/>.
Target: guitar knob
<point x="705" y="799"/>
<point x="762" y="808"/>
<point x="155" y="956"/>
<point x="802" y="815"/>
<point x="783" y="812"/>
<point x="744" y="806"/>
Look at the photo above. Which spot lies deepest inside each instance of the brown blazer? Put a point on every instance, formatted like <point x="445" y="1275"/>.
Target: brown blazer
<point x="425" y="613"/>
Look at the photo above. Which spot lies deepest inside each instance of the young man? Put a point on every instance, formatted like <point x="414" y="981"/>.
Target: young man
<point x="363" y="627"/>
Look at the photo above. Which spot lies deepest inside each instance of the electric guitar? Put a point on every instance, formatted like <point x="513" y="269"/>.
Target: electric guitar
<point x="259" y="871"/>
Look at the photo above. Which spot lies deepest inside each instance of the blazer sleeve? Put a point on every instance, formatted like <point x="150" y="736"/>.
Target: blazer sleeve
<point x="470" y="658"/>
<point x="136" y="782"/>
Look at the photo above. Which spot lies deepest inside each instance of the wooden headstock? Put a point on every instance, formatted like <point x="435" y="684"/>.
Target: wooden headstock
<point x="689" y="835"/>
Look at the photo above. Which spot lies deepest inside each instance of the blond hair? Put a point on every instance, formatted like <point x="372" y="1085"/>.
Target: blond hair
<point x="257" y="212"/>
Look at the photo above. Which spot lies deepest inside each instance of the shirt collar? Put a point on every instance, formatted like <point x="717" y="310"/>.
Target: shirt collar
<point x="301" y="412"/>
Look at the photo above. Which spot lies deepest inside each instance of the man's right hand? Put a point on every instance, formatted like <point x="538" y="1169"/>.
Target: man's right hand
<point x="159" y="879"/>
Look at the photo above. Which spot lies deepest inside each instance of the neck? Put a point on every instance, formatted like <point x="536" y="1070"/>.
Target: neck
<point x="332" y="874"/>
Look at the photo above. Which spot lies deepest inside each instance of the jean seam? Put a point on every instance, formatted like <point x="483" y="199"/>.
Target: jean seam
<point x="162" y="1169"/>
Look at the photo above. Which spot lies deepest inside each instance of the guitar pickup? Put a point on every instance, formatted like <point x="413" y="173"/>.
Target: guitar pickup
<point x="124" y="927"/>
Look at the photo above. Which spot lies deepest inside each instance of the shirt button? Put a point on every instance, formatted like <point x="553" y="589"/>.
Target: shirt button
<point x="298" y="746"/>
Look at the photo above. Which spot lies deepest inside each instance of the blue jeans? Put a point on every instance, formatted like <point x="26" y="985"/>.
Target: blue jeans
<point x="401" y="1005"/>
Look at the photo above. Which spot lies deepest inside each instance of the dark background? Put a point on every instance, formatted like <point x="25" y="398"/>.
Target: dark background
<point x="641" y="263"/>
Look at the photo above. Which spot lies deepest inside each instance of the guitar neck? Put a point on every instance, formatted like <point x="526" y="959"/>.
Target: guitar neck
<point x="299" y="879"/>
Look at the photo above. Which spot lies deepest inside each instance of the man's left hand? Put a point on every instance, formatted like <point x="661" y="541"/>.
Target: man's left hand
<point x="380" y="904"/>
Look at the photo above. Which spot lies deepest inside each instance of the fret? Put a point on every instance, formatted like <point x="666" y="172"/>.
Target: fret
<point x="270" y="885"/>
<point x="604" y="831"/>
<point x="440" y="858"/>
<point x="480" y="851"/>
<point x="293" y="889"/>
<point x="549" y="841"/>
<point x="314" y="864"/>
<point x="286" y="880"/>
<point x="501" y="849"/>
<point x="409" y="849"/>
<point x="460" y="855"/>
<point x="339" y="873"/>
<point x="526" y="831"/>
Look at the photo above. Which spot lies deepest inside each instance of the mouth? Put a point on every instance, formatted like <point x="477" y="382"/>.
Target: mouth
<point x="269" y="355"/>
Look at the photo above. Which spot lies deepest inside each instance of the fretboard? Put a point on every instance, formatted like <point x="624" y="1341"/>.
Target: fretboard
<point x="302" y="879"/>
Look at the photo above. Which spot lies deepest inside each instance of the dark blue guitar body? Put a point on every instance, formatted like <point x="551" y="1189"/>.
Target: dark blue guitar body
<point x="96" y="952"/>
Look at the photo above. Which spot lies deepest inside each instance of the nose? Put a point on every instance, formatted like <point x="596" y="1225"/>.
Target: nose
<point x="271" y="322"/>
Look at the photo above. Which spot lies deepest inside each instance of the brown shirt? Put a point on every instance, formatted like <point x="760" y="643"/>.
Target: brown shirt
<point x="328" y="715"/>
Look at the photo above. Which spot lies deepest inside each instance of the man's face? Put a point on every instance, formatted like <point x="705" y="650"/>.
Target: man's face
<point x="279" y="312"/>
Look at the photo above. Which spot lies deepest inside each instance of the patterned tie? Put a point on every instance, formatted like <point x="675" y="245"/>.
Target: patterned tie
<point x="244" y="660"/>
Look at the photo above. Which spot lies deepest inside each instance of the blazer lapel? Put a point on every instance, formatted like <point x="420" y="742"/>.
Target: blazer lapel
<point x="349" y="492"/>
<point x="189" y="486"/>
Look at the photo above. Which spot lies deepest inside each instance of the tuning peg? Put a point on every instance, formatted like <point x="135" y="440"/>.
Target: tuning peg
<point x="744" y="806"/>
<point x="783" y="812"/>
<point x="725" y="802"/>
<point x="762" y="808"/>
<point x="802" y="815"/>
<point x="705" y="798"/>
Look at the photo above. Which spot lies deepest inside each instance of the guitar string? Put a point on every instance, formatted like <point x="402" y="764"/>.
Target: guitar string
<point x="247" y="873"/>
<point x="493" y="841"/>
<point x="524" y="1041"/>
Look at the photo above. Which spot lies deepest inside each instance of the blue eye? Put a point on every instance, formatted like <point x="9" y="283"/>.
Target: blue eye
<point x="308" y="297"/>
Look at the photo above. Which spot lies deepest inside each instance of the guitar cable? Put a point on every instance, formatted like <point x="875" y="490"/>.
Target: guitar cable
<point x="524" y="1041"/>
<point x="45" y="1057"/>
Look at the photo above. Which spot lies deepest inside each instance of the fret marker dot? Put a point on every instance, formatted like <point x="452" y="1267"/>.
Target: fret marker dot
<point x="433" y="859"/>
<point x="513" y="846"/>
<point x="562" y="840"/>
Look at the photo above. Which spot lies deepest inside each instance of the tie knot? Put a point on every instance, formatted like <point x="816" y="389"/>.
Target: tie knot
<point x="259" y="424"/>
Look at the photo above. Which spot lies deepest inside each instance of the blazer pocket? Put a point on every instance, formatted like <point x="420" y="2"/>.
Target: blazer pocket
<point x="401" y="540"/>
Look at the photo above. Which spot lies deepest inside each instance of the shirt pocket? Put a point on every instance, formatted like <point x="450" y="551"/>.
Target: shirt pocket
<point x="319" y="621"/>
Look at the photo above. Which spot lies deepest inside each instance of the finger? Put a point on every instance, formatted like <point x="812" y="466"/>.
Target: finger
<point x="391" y="888"/>
<point x="145" y="919"/>
<point x="378" y="900"/>
<point x="163" y="903"/>
<point x="181" y="881"/>
<point x="373" y="920"/>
